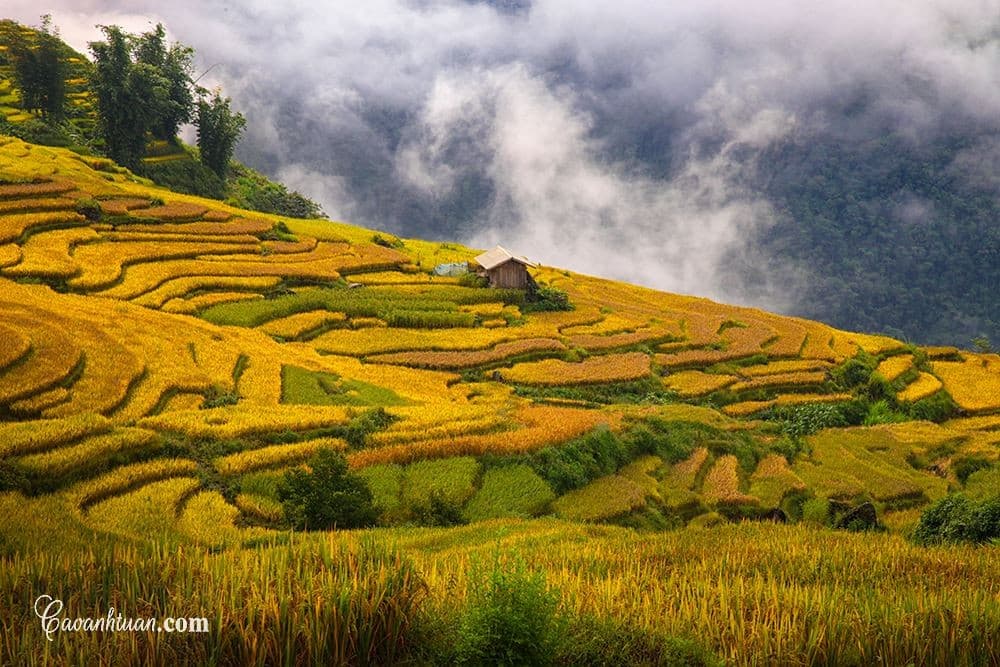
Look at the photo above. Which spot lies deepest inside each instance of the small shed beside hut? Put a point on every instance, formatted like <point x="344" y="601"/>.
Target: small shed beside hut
<point x="504" y="269"/>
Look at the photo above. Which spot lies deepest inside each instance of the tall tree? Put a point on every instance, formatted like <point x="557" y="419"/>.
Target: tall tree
<point x="40" y="72"/>
<point x="174" y="63"/>
<point x="219" y="129"/>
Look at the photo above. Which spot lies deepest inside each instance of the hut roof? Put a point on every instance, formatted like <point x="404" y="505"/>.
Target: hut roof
<point x="500" y="255"/>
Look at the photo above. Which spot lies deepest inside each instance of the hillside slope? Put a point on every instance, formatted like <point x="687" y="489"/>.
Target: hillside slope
<point x="173" y="344"/>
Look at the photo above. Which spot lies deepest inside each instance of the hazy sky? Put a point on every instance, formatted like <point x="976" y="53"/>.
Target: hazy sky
<point x="614" y="138"/>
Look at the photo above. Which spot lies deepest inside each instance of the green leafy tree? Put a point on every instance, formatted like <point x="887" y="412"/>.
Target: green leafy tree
<point x="40" y="72"/>
<point x="219" y="129"/>
<point x="173" y="63"/>
<point x="326" y="497"/>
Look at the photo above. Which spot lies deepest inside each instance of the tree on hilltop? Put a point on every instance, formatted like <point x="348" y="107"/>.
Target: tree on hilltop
<point x="219" y="128"/>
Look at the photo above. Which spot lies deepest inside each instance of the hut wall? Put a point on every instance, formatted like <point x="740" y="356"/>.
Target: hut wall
<point x="509" y="275"/>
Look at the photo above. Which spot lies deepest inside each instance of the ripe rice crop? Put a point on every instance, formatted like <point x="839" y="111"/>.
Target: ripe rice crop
<point x="181" y="287"/>
<point x="400" y="278"/>
<point x="12" y="227"/>
<point x="48" y="254"/>
<point x="781" y="380"/>
<point x="722" y="484"/>
<point x="925" y="385"/>
<point x="201" y="301"/>
<point x="299" y="324"/>
<point x="895" y="366"/>
<point x="103" y="262"/>
<point x="874" y="344"/>
<point x="695" y="383"/>
<point x="784" y="366"/>
<point x="127" y="478"/>
<point x="87" y="452"/>
<point x="607" y="368"/>
<point x="974" y="383"/>
<point x="677" y="485"/>
<point x="53" y="358"/>
<point x="148" y="511"/>
<point x="984" y="423"/>
<point x="260" y="507"/>
<point x="33" y="406"/>
<point x="942" y="352"/>
<point x="13" y="346"/>
<point x="207" y="519"/>
<point x="604" y="498"/>
<point x="275" y="456"/>
<point x="162" y="237"/>
<point x="238" y="421"/>
<point x="10" y="254"/>
<point x="34" y="436"/>
<point x="544" y="426"/>
<point x="183" y="401"/>
<point x="773" y="479"/>
<point x="598" y="342"/>
<point x="471" y="358"/>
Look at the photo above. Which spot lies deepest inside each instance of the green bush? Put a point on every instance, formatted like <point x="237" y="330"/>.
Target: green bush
<point x="473" y="280"/>
<point x="965" y="467"/>
<point x="546" y="298"/>
<point x="606" y="641"/>
<point x="440" y="510"/>
<point x="186" y="175"/>
<point x="935" y="408"/>
<point x="452" y="479"/>
<point x="510" y="619"/>
<point x="580" y="461"/>
<point x="89" y="208"/>
<point x="816" y="511"/>
<point x="957" y="518"/>
<point x="326" y="497"/>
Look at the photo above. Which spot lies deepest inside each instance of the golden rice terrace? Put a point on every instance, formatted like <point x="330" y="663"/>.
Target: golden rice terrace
<point x="151" y="341"/>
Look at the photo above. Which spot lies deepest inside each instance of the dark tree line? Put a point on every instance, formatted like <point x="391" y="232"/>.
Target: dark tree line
<point x="144" y="88"/>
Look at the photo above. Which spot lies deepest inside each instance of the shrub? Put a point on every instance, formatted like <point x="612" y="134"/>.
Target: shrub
<point x="187" y="175"/>
<point x="965" y="467"/>
<point x="326" y="497"/>
<point x="546" y="298"/>
<point x="816" y="511"/>
<point x="89" y="208"/>
<point x="580" y="461"/>
<point x="473" y="280"/>
<point x="510" y="618"/>
<point x="440" y="510"/>
<point x="957" y="518"/>
<point x="607" y="641"/>
<point x="511" y="490"/>
<point x="936" y="408"/>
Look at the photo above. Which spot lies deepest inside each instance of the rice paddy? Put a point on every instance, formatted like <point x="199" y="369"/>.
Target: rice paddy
<point x="164" y="365"/>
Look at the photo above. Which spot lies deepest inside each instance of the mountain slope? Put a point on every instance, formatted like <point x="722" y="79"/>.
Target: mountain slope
<point x="156" y="335"/>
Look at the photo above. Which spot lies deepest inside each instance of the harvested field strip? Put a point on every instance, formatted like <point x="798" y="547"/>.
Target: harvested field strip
<point x="597" y="342"/>
<point x="607" y="368"/>
<point x="175" y="211"/>
<point x="25" y="190"/>
<point x="689" y="384"/>
<point x="781" y="380"/>
<point x="165" y="237"/>
<point x="122" y="205"/>
<point x="925" y="385"/>
<point x="14" y="227"/>
<point x="8" y="207"/>
<point x="275" y="456"/>
<point x="678" y="485"/>
<point x="36" y="436"/>
<point x="472" y="358"/>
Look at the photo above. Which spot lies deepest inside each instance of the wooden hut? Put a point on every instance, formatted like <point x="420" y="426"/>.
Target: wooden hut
<point x="503" y="269"/>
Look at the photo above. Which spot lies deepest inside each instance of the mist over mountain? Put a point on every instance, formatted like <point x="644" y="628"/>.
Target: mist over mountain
<point x="836" y="161"/>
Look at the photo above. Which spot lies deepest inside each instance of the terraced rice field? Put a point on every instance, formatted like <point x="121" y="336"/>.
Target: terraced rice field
<point x="172" y="324"/>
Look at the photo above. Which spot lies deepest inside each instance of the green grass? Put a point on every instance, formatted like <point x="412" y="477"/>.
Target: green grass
<point x="452" y="479"/>
<point x="304" y="387"/>
<point x="510" y="491"/>
<point x="385" y="482"/>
